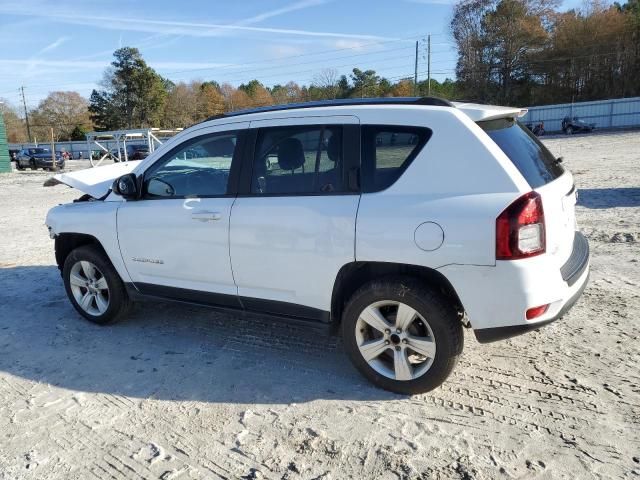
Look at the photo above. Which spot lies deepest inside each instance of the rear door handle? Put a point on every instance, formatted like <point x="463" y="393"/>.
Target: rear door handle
<point x="206" y="216"/>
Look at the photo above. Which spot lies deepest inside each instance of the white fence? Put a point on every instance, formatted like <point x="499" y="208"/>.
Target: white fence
<point x="617" y="113"/>
<point x="74" y="148"/>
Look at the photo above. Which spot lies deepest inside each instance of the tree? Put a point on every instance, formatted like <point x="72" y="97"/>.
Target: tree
<point x="289" y="93"/>
<point x="525" y="52"/>
<point x="327" y="83"/>
<point x="14" y="124"/>
<point x="259" y="96"/>
<point x="210" y="100"/>
<point x="78" y="133"/>
<point x="404" y="88"/>
<point x="134" y="94"/>
<point x="62" y="111"/>
<point x="181" y="106"/>
<point x="365" y="83"/>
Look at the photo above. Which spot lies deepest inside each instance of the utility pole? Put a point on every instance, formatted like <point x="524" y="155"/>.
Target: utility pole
<point x="415" y="74"/>
<point x="429" y="65"/>
<point x="54" y="167"/>
<point x="26" y="114"/>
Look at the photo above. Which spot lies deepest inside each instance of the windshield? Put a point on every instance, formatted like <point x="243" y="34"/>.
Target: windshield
<point x="532" y="159"/>
<point x="35" y="151"/>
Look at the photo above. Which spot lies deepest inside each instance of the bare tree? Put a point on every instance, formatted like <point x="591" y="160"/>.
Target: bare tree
<point x="327" y="82"/>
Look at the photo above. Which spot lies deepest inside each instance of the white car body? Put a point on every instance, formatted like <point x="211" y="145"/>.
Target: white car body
<point x="285" y="254"/>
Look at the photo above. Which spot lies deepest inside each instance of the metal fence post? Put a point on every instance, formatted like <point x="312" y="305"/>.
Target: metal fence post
<point x="611" y="113"/>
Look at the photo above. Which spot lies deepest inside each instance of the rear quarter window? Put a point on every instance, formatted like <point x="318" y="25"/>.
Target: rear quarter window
<point x="387" y="151"/>
<point x="532" y="159"/>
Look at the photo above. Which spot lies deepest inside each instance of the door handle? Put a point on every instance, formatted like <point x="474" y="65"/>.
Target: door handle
<point x="206" y="216"/>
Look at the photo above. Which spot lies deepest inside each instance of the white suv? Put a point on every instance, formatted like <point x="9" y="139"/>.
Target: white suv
<point x="399" y="220"/>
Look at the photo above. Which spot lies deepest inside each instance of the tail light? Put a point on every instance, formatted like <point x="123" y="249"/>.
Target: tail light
<point x="520" y="231"/>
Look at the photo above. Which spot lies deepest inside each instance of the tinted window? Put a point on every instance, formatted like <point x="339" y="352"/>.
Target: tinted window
<point x="36" y="151"/>
<point x="290" y="160"/>
<point x="199" y="167"/>
<point x="387" y="151"/>
<point x="536" y="164"/>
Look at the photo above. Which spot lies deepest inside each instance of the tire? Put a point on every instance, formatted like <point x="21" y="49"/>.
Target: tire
<point x="436" y="322"/>
<point x="18" y="166"/>
<point x="116" y="298"/>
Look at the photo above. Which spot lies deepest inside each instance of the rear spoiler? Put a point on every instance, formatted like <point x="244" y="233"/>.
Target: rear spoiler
<point x="479" y="113"/>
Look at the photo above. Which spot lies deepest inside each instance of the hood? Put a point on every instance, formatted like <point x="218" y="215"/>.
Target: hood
<point x="44" y="156"/>
<point x="94" y="181"/>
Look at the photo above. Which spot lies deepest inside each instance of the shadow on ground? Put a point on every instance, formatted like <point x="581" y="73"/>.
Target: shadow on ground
<point x="609" y="197"/>
<point x="167" y="351"/>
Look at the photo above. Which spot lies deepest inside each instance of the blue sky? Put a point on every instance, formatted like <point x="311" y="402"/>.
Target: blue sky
<point x="67" y="44"/>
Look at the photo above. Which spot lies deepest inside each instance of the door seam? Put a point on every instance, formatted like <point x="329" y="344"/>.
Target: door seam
<point x="233" y="275"/>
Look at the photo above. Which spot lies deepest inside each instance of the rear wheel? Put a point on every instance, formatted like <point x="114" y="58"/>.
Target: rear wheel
<point x="93" y="286"/>
<point x="401" y="335"/>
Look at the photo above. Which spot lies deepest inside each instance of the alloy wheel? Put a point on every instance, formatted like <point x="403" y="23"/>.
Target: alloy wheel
<point x="395" y="340"/>
<point x="89" y="287"/>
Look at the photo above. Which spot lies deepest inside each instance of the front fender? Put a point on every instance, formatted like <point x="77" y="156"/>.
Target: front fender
<point x="97" y="219"/>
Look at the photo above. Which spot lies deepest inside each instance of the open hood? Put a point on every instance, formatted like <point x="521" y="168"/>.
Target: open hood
<point x="94" y="181"/>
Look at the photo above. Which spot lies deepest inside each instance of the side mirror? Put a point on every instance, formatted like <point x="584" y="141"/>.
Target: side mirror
<point x="126" y="186"/>
<point x="559" y="159"/>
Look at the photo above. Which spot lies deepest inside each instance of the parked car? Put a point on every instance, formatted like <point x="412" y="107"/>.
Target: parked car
<point x="410" y="225"/>
<point x="574" y="125"/>
<point x="134" y="152"/>
<point x="537" y="129"/>
<point x="37" y="157"/>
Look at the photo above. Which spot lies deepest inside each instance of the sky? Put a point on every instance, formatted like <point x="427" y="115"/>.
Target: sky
<point x="67" y="44"/>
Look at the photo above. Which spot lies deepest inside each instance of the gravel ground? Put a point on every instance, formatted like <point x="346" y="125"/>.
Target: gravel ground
<point x="182" y="392"/>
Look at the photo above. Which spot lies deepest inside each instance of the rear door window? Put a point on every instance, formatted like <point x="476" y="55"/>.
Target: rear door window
<point x="298" y="160"/>
<point x="387" y="151"/>
<point x="532" y="159"/>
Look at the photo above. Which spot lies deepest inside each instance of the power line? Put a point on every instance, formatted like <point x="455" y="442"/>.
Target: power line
<point x="244" y="64"/>
<point x="273" y="67"/>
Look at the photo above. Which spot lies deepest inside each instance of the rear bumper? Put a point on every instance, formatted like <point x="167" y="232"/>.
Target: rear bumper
<point x="42" y="163"/>
<point x="496" y="298"/>
<point x="487" y="335"/>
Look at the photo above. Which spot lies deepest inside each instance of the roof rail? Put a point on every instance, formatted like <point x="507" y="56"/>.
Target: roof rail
<point x="434" y="101"/>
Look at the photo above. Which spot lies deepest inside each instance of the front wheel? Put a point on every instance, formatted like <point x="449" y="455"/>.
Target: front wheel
<point x="401" y="335"/>
<point x="93" y="286"/>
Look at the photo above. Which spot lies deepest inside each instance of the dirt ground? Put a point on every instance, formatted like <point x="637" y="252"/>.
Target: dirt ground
<point x="183" y="392"/>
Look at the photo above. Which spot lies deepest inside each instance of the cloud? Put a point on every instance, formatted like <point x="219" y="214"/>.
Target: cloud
<point x="193" y="29"/>
<point x="280" y="11"/>
<point x="53" y="45"/>
<point x="189" y="65"/>
<point x="99" y="64"/>
<point x="344" y="43"/>
<point x="281" y="51"/>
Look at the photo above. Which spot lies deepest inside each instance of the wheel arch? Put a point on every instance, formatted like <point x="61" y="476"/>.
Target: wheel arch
<point x="355" y="274"/>
<point x="66" y="242"/>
